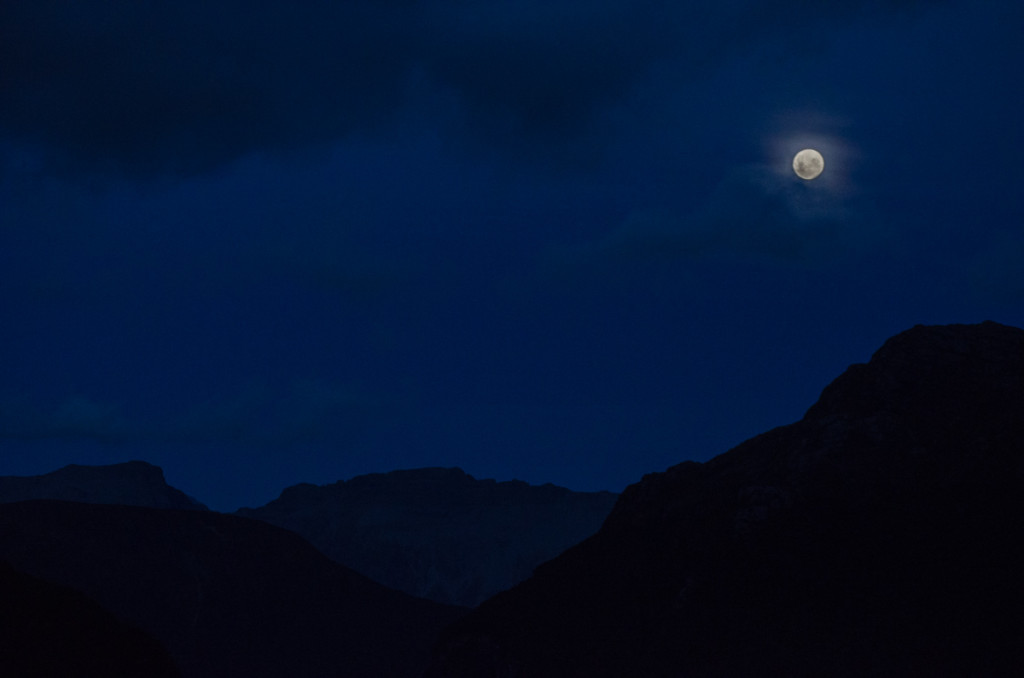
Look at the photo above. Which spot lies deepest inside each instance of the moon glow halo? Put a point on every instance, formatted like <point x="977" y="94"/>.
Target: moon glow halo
<point x="808" y="164"/>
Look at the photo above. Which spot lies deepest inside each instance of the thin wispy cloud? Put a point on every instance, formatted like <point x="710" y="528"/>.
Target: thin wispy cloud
<point x="303" y="411"/>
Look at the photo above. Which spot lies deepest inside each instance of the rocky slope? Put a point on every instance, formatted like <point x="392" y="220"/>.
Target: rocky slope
<point x="439" y="533"/>
<point x="226" y="596"/>
<point x="882" y="534"/>
<point x="133" y="483"/>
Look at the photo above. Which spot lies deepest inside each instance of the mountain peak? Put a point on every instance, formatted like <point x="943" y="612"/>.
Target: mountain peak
<point x="135" y="470"/>
<point x="133" y="483"/>
<point x="439" y="533"/>
<point x="429" y="474"/>
<point x="875" y="536"/>
<point x="946" y="365"/>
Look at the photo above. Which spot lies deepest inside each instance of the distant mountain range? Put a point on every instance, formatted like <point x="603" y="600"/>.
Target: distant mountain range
<point x="226" y="596"/>
<point x="133" y="483"/>
<point x="439" y="533"/>
<point x="882" y="535"/>
<point x="200" y="587"/>
<point x="435" y="533"/>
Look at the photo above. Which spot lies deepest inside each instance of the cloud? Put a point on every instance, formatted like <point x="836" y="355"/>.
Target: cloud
<point x="185" y="86"/>
<point x="77" y="416"/>
<point x="755" y="212"/>
<point x="304" y="411"/>
<point x="180" y="88"/>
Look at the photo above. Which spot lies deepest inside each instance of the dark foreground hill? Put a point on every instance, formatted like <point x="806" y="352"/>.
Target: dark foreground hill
<point x="133" y="483"/>
<point x="226" y="596"/>
<point x="881" y="535"/>
<point x="439" y="533"/>
<point x="50" y="631"/>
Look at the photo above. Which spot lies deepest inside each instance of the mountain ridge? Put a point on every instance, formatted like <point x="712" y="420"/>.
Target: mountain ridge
<point x="878" y="535"/>
<point x="52" y="630"/>
<point x="225" y="595"/>
<point x="131" y="483"/>
<point x="436" y="532"/>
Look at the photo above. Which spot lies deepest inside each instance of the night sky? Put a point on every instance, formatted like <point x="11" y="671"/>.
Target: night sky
<point x="561" y="241"/>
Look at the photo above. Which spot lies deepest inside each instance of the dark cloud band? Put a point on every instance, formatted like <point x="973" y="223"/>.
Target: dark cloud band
<point x="178" y="88"/>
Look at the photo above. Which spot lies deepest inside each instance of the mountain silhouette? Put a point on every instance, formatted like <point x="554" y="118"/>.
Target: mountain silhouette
<point x="133" y="483"/>
<point x="439" y="533"/>
<point x="225" y="595"/>
<point x="50" y="631"/>
<point x="882" y="534"/>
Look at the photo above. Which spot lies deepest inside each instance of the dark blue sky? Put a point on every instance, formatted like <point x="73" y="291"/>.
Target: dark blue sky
<point x="556" y="241"/>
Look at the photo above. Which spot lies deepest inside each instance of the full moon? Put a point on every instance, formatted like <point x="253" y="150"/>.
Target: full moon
<point x="808" y="164"/>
